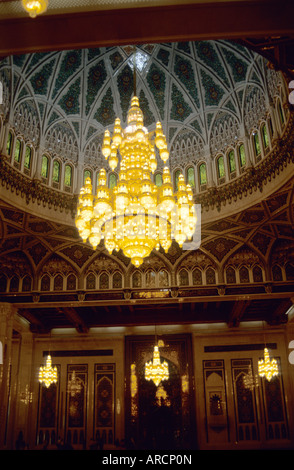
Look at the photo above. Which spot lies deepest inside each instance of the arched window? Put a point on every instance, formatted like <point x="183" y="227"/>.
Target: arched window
<point x="163" y="278"/>
<point x="91" y="281"/>
<point x="231" y="275"/>
<point x="150" y="278"/>
<point x="104" y="281"/>
<point x="257" y="274"/>
<point x="56" y="172"/>
<point x="210" y="276"/>
<point x="221" y="167"/>
<point x="68" y="176"/>
<point x="45" y="283"/>
<point x="289" y="272"/>
<point x="27" y="283"/>
<point x="17" y="151"/>
<point x="202" y="174"/>
<point x="197" y="277"/>
<point x="256" y="144"/>
<point x="3" y="283"/>
<point x="87" y="174"/>
<point x="14" y="284"/>
<point x="9" y="143"/>
<point x="177" y="175"/>
<point x="264" y="134"/>
<point x="281" y="113"/>
<point x="183" y="277"/>
<point x="45" y="167"/>
<point x="231" y="161"/>
<point x="58" y="282"/>
<point x="242" y="158"/>
<point x="117" y="280"/>
<point x="158" y="180"/>
<point x="277" y="273"/>
<point x="137" y="279"/>
<point x="112" y="180"/>
<point x="191" y="177"/>
<point x="244" y="274"/>
<point x="71" y="282"/>
<point x="28" y="158"/>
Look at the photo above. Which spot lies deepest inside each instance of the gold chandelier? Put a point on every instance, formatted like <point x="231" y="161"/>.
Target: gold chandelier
<point x="35" y="7"/>
<point x="267" y="367"/>
<point x="48" y="374"/>
<point x="135" y="216"/>
<point x="156" y="370"/>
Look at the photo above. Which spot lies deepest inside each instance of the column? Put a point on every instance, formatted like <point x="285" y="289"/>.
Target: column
<point x="7" y="312"/>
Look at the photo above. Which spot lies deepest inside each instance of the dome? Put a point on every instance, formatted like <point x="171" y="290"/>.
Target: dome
<point x="210" y="96"/>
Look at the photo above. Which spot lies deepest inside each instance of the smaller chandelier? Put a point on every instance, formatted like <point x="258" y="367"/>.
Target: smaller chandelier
<point x="266" y="367"/>
<point x="156" y="370"/>
<point x="48" y="374"/>
<point x="35" y="7"/>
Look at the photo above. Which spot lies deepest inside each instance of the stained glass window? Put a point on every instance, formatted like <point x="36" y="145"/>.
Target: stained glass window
<point x="9" y="143"/>
<point x="17" y="151"/>
<point x="158" y="180"/>
<point x="28" y="157"/>
<point x="231" y="275"/>
<point x="191" y="177"/>
<point x="44" y="169"/>
<point x="197" y="277"/>
<point x="257" y="274"/>
<point x="71" y="282"/>
<point x="221" y="167"/>
<point x="232" y="163"/>
<point x="26" y="283"/>
<point x="210" y="276"/>
<point x="68" y="175"/>
<point x="91" y="281"/>
<point x="242" y="155"/>
<point x="87" y="174"/>
<point x="163" y="278"/>
<point x="177" y="174"/>
<point x="277" y="273"/>
<point x="58" y="282"/>
<point x="150" y="279"/>
<point x="117" y="280"/>
<point x="14" y="284"/>
<point x="244" y="274"/>
<point x="112" y="180"/>
<point x="202" y="174"/>
<point x="45" y="283"/>
<point x="183" y="277"/>
<point x="56" y="171"/>
<point x="264" y="136"/>
<point x="104" y="281"/>
<point x="137" y="279"/>
<point x="256" y="144"/>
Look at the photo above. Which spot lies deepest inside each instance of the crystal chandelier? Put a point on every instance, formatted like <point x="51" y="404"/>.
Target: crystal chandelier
<point x="48" y="374"/>
<point x="135" y="216"/>
<point x="267" y="367"/>
<point x="35" y="7"/>
<point x="156" y="370"/>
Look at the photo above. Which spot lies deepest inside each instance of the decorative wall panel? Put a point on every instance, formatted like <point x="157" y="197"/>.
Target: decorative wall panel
<point x="104" y="413"/>
<point x="47" y="428"/>
<point x="76" y="404"/>
<point x="245" y="385"/>
<point x="215" y="401"/>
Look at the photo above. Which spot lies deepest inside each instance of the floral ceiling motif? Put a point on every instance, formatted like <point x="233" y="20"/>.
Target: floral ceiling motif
<point x="64" y="100"/>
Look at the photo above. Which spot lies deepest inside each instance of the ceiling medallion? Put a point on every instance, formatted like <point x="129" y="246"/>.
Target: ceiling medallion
<point x="35" y="7"/>
<point x="48" y="374"/>
<point x="156" y="370"/>
<point x="266" y="367"/>
<point x="136" y="216"/>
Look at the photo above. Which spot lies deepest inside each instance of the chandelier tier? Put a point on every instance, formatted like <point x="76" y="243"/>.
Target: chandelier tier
<point x="35" y="7"/>
<point x="135" y="216"/>
<point x="267" y="367"/>
<point x="48" y="374"/>
<point x="156" y="370"/>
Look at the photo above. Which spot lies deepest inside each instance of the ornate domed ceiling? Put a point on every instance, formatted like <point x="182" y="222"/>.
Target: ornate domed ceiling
<point x="210" y="93"/>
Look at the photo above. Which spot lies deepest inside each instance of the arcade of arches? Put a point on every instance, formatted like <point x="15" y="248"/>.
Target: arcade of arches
<point x="229" y="125"/>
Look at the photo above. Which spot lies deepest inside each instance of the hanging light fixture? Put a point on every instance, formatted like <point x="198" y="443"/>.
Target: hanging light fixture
<point x="48" y="374"/>
<point x="35" y="7"/>
<point x="135" y="216"/>
<point x="156" y="370"/>
<point x="267" y="367"/>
